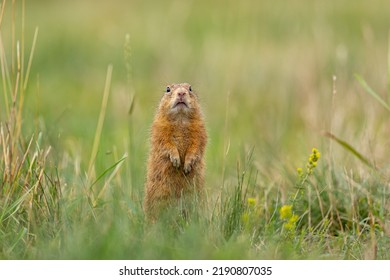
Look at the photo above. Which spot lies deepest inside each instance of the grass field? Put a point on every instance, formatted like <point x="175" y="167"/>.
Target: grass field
<point x="80" y="82"/>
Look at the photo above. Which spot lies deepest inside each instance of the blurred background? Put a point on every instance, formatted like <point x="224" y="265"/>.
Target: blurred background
<point x="264" y="71"/>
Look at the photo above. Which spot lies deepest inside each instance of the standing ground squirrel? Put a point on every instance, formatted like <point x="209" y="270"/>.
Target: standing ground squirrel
<point x="178" y="140"/>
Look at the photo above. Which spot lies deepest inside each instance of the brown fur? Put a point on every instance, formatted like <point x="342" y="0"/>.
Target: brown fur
<point x="176" y="159"/>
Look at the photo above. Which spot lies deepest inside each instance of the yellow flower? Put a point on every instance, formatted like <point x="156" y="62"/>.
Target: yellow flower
<point x="293" y="219"/>
<point x="314" y="156"/>
<point x="251" y="202"/>
<point x="285" y="212"/>
<point x="245" y="218"/>
<point x="312" y="161"/>
<point x="292" y="223"/>
<point x="289" y="226"/>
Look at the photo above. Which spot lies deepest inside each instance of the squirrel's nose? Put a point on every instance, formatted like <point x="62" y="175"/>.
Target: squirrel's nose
<point x="181" y="93"/>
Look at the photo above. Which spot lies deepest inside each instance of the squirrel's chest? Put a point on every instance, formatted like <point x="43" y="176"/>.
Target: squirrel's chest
<point x="181" y="138"/>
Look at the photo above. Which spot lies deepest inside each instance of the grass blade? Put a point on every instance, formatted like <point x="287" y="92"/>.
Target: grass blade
<point x="371" y="91"/>
<point x="117" y="166"/>
<point x="388" y="70"/>
<point x="100" y="122"/>
<point x="349" y="148"/>
<point x="22" y="233"/>
<point x="30" y="58"/>
<point x="109" y="169"/>
<point x="2" y="12"/>
<point x="10" y="209"/>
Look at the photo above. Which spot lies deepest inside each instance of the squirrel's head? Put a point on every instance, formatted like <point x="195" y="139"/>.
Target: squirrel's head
<point x="180" y="100"/>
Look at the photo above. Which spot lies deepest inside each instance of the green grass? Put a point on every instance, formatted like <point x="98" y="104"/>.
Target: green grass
<point x="80" y="82"/>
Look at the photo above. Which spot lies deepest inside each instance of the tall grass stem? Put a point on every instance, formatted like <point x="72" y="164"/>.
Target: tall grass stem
<point x="100" y="123"/>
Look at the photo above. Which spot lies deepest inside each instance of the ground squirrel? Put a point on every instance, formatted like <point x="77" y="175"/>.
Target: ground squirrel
<point x="176" y="159"/>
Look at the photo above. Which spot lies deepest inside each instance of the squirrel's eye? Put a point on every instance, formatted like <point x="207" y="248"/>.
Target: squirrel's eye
<point x="190" y="88"/>
<point x="168" y="89"/>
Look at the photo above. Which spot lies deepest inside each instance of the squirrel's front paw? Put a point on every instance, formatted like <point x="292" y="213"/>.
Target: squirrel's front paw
<point x="188" y="164"/>
<point x="175" y="159"/>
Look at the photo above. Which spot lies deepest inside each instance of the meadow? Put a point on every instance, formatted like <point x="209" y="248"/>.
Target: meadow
<point x="296" y="97"/>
